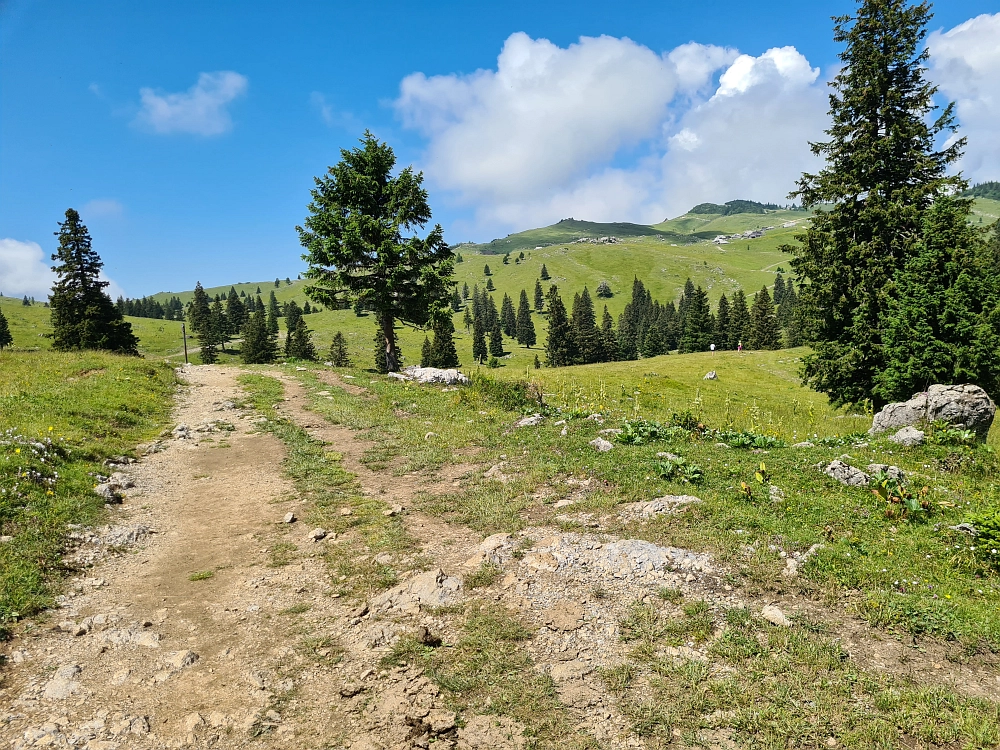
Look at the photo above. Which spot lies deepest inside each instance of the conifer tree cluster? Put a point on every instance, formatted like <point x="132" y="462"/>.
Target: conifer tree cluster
<point x="147" y="307"/>
<point x="489" y="325"/>
<point x="647" y="328"/>
<point x="83" y="315"/>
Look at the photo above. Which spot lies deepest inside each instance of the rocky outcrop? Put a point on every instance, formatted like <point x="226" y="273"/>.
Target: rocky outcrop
<point x="964" y="406"/>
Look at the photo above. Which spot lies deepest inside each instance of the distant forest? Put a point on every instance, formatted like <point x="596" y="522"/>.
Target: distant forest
<point x="989" y="190"/>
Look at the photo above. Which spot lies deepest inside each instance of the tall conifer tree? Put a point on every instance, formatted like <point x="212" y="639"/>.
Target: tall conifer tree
<point x="560" y="348"/>
<point x="5" y="338"/>
<point x="508" y="318"/>
<point x="525" y="326"/>
<point x="539" y="297"/>
<point x="883" y="171"/>
<point x="83" y="315"/>
<point x="764" y="332"/>
<point x="739" y="320"/>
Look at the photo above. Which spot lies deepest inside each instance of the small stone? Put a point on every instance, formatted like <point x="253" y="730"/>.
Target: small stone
<point x="346" y="511"/>
<point x="182" y="659"/>
<point x="440" y="720"/>
<point x="775" y="616"/>
<point x="317" y="534"/>
<point x="533" y="421"/>
<point x="427" y="638"/>
<point x="710" y="375"/>
<point x="601" y="445"/>
<point x="804" y="444"/>
<point x="191" y="721"/>
<point x="289" y="518"/>
<point x="395" y="510"/>
<point x="846" y="474"/>
<point x="908" y="437"/>
<point x="351" y="689"/>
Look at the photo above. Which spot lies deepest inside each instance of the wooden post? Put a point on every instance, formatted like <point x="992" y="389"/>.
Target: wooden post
<point x="184" y="335"/>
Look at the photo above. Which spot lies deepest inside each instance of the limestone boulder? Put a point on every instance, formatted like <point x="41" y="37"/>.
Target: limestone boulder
<point x="963" y="406"/>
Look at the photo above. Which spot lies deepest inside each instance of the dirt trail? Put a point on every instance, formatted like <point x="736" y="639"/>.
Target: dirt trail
<point x="139" y="655"/>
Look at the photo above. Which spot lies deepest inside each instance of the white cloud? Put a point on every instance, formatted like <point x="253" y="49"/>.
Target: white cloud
<point x="25" y="270"/>
<point x="543" y="118"/>
<point x="965" y="63"/>
<point x="102" y="208"/>
<point x="536" y="139"/>
<point x="201" y="110"/>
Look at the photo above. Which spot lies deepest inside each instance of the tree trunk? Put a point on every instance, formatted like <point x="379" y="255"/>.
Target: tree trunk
<point x="391" y="354"/>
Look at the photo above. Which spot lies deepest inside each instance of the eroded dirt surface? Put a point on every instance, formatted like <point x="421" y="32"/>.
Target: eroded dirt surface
<point x="139" y="655"/>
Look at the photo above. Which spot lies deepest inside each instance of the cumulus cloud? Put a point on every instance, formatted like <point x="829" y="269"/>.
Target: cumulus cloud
<point x="537" y="138"/>
<point x="544" y="117"/>
<point x="750" y="139"/>
<point x="25" y="270"/>
<point x="965" y="63"/>
<point x="201" y="110"/>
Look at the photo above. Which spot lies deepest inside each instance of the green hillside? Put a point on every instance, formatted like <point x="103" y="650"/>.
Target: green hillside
<point x="29" y="324"/>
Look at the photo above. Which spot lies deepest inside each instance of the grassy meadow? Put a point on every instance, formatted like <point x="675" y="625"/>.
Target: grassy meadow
<point x="61" y="416"/>
<point x="912" y="578"/>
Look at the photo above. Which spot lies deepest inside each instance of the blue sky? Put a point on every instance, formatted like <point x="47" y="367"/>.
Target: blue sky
<point x="188" y="133"/>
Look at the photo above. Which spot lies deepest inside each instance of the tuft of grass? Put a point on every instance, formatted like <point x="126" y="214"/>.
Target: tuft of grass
<point x="202" y="575"/>
<point x="487" y="575"/>
<point x="296" y="609"/>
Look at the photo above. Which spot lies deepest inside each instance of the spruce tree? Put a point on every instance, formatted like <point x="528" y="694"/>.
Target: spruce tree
<point x="426" y="354"/>
<point x="456" y="301"/>
<point x="486" y="270"/>
<point x="236" y="312"/>
<point x="443" y="353"/>
<point x="83" y="315"/>
<point x="259" y="346"/>
<point x="479" y="350"/>
<point x="721" y="337"/>
<point x="506" y="259"/>
<point x="585" y="331"/>
<point x="544" y="275"/>
<point x="525" y="328"/>
<point x="465" y="291"/>
<point x="292" y="317"/>
<point x="508" y="318"/>
<point x="883" y="171"/>
<point x="199" y="308"/>
<point x="273" y="313"/>
<point x="609" y="339"/>
<point x="604" y="290"/>
<point x="539" y="297"/>
<point x="560" y="348"/>
<point x="764" y="332"/>
<point x="496" y="340"/>
<point x="739" y="320"/>
<point x="944" y="324"/>
<point x="338" y="351"/>
<point x="698" y="327"/>
<point x="779" y="290"/>
<point x="467" y="318"/>
<point x="301" y="346"/>
<point x="490" y="308"/>
<point x="5" y="338"/>
<point x="490" y="287"/>
<point x="218" y="325"/>
<point x="654" y="344"/>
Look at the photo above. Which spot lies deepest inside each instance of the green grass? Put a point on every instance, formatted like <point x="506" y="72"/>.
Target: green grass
<point x="903" y="574"/>
<point x="202" y="575"/>
<point x="781" y="687"/>
<point x="31" y="325"/>
<point x="61" y="416"/>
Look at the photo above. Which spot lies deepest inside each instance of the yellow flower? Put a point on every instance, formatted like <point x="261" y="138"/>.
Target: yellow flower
<point x="17" y="450"/>
<point x="51" y="428"/>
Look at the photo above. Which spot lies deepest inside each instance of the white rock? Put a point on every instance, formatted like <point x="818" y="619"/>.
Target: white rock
<point x="317" y="534"/>
<point x="533" y="421"/>
<point x="182" y="659"/>
<point x="710" y="375"/>
<point x="289" y="518"/>
<point x="908" y="437"/>
<point x="775" y="616"/>
<point x="601" y="445"/>
<point x="63" y="684"/>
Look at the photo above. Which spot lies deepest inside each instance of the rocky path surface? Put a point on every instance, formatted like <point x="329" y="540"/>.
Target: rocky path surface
<point x="183" y="632"/>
